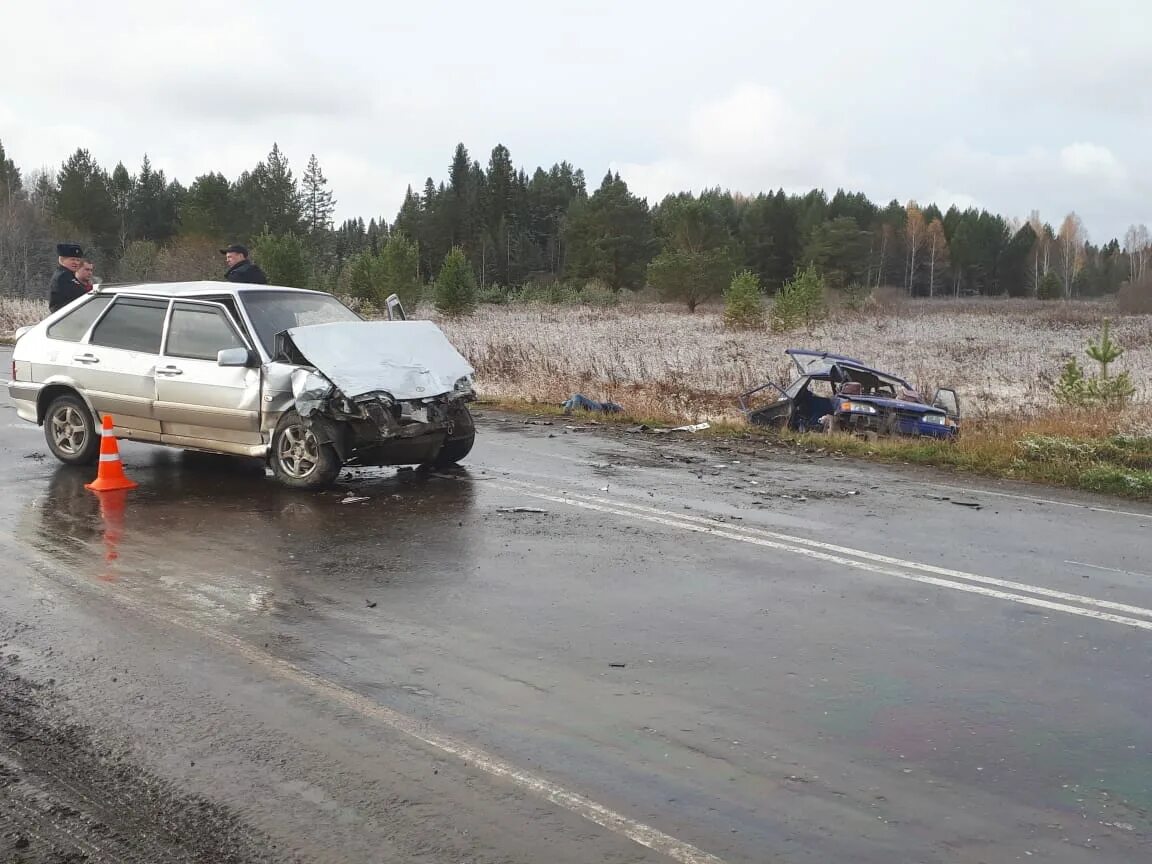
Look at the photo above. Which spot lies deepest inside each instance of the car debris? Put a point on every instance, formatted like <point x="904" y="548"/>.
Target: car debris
<point x="355" y="499"/>
<point x="520" y="510"/>
<point x="583" y="403"/>
<point x="833" y="393"/>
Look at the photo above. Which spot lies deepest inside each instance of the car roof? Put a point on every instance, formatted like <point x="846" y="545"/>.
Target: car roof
<point x="823" y="355"/>
<point x="846" y="362"/>
<point x="193" y="289"/>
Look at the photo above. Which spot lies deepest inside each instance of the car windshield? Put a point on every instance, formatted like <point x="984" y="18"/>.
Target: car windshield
<point x="273" y="312"/>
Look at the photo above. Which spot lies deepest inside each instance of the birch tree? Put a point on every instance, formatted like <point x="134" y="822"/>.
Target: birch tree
<point x="1070" y="242"/>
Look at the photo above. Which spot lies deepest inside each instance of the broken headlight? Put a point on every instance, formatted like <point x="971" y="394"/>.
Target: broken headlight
<point x="463" y="385"/>
<point x="857" y="408"/>
<point x="344" y="405"/>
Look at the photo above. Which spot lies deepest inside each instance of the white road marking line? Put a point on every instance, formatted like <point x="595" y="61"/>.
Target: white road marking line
<point x="970" y="491"/>
<point x="1109" y="569"/>
<point x="417" y="729"/>
<point x="1036" y="500"/>
<point x="868" y="556"/>
<point x="575" y="501"/>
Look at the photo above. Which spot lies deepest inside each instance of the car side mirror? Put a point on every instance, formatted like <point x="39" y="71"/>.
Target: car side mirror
<point x="395" y="308"/>
<point x="237" y="357"/>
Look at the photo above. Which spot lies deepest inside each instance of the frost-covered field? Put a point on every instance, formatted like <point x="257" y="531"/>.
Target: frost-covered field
<point x="1002" y="356"/>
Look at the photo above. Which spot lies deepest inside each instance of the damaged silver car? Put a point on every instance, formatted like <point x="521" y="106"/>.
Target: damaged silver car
<point x="284" y="374"/>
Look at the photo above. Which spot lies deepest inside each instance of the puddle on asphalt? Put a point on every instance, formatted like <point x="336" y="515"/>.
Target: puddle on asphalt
<point x="216" y="536"/>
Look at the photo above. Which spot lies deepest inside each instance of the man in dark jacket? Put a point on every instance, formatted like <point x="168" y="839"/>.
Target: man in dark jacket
<point x="240" y="269"/>
<point x="65" y="287"/>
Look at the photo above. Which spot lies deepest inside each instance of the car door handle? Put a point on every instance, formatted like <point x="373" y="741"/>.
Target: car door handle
<point x="169" y="370"/>
<point x="86" y="358"/>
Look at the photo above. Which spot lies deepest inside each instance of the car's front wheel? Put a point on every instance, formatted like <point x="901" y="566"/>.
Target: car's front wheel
<point x="71" y="431"/>
<point x="460" y="444"/>
<point x="299" y="459"/>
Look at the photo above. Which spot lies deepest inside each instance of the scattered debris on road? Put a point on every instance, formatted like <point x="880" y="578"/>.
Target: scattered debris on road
<point x="520" y="510"/>
<point x="579" y="400"/>
<point x="354" y="499"/>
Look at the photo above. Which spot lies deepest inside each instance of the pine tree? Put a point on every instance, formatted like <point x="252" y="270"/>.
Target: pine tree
<point x="699" y="255"/>
<point x="283" y="258"/>
<point x="207" y="210"/>
<point x="400" y="270"/>
<point x="269" y="197"/>
<point x="152" y="210"/>
<point x="455" y="285"/>
<point x="318" y="202"/>
<point x="609" y="236"/>
<point x="83" y="201"/>
<point x="743" y="304"/>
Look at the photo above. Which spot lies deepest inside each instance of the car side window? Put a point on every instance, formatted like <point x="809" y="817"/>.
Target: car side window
<point x="132" y="324"/>
<point x="73" y="326"/>
<point x="200" y="332"/>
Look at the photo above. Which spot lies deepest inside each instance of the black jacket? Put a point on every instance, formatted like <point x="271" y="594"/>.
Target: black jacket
<point x="63" y="289"/>
<point x="246" y="271"/>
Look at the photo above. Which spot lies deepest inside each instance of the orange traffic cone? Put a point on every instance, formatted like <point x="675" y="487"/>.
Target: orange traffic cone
<point x="111" y="474"/>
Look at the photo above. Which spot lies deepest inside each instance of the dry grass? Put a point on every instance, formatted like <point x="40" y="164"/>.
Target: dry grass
<point x="16" y="313"/>
<point x="1002" y="356"/>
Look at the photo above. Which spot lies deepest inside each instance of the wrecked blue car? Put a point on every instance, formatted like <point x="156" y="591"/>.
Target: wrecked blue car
<point x="833" y="393"/>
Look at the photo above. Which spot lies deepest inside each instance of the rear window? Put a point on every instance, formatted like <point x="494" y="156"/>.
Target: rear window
<point x="132" y="324"/>
<point x="75" y="324"/>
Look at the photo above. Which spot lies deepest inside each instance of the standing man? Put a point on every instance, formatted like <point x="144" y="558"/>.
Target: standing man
<point x="65" y="287"/>
<point x="84" y="275"/>
<point x="240" y="269"/>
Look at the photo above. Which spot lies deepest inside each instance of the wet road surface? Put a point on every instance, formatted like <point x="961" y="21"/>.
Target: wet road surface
<point x="581" y="647"/>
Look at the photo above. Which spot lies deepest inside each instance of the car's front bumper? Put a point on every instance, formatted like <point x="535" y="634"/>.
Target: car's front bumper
<point x="887" y="424"/>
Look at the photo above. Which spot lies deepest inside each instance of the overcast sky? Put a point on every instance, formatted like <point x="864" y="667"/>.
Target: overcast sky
<point x="1003" y="104"/>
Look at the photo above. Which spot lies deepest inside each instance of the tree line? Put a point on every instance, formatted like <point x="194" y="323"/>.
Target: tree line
<point x="510" y="229"/>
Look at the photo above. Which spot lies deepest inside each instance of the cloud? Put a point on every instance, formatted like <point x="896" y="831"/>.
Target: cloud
<point x="1092" y="161"/>
<point x="1083" y="176"/>
<point x="750" y="140"/>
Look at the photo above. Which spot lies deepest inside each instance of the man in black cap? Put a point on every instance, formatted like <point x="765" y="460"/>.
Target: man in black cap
<point x="240" y="269"/>
<point x="65" y="287"/>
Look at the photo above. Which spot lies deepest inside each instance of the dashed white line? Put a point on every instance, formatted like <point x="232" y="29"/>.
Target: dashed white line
<point x="1109" y="569"/>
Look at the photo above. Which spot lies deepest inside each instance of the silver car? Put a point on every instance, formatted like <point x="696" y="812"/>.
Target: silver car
<point x="284" y="374"/>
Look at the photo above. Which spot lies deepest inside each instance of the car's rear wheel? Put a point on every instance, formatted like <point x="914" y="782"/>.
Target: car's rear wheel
<point x="70" y="431"/>
<point x="299" y="459"/>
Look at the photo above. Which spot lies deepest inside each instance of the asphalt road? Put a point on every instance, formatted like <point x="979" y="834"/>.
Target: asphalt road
<point x="691" y="653"/>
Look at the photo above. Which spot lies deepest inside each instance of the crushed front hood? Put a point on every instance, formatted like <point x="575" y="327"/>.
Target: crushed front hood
<point x="408" y="359"/>
<point x="896" y="404"/>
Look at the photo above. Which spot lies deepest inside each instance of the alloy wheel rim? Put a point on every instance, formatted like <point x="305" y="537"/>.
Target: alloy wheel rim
<point x="69" y="431"/>
<point x="298" y="452"/>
